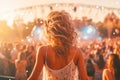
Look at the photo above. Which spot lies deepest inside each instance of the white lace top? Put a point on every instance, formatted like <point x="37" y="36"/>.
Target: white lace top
<point x="69" y="72"/>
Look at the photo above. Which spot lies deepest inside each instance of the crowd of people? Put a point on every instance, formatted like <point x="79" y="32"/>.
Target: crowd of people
<point x="96" y="55"/>
<point x="17" y="60"/>
<point x="61" y="58"/>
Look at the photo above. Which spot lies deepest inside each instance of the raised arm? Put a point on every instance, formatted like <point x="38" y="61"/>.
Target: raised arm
<point x="38" y="65"/>
<point x="81" y="66"/>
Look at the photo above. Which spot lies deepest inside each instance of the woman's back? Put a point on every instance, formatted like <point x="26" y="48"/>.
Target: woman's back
<point x="60" y="68"/>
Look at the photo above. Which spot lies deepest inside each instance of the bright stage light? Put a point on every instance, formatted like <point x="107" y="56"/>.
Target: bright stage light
<point x="38" y="33"/>
<point x="99" y="38"/>
<point x="88" y="32"/>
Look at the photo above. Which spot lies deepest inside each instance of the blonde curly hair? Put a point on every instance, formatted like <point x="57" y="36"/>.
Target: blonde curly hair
<point x="60" y="32"/>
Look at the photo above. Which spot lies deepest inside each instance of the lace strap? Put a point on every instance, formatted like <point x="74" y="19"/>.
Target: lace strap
<point x="75" y="53"/>
<point x="46" y="55"/>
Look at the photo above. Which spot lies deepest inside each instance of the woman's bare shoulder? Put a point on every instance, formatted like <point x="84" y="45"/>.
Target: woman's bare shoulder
<point x="42" y="48"/>
<point x="106" y="71"/>
<point x="78" y="52"/>
<point x="41" y="51"/>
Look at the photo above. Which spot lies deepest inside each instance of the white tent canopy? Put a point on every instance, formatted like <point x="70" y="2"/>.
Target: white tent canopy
<point x="15" y="4"/>
<point x="92" y="11"/>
